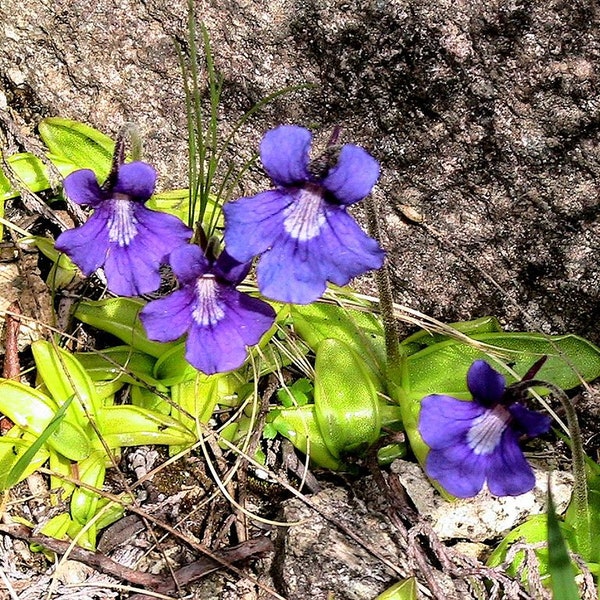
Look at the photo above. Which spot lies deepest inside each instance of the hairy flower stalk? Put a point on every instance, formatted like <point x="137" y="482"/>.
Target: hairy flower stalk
<point x="580" y="488"/>
<point x="395" y="360"/>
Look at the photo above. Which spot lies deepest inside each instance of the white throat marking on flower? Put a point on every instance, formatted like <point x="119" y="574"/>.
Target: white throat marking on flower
<point x="207" y="311"/>
<point x="487" y="429"/>
<point x="305" y="217"/>
<point x="122" y="224"/>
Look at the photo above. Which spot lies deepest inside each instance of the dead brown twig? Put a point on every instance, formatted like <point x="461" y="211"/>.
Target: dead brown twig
<point x="12" y="367"/>
<point x="157" y="583"/>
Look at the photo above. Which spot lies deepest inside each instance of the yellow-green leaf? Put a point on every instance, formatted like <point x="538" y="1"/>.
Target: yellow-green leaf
<point x="361" y="331"/>
<point x="299" y="425"/>
<point x="346" y="403"/>
<point x="120" y="317"/>
<point x="84" y="501"/>
<point x="32" y="411"/>
<point x="29" y="170"/>
<point x="64" y="377"/>
<point x="77" y="144"/>
<point x="135" y="426"/>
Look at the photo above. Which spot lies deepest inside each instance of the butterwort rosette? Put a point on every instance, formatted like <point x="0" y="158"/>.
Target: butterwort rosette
<point x="302" y="230"/>
<point x="478" y="441"/>
<point x="219" y="320"/>
<point x="129" y="240"/>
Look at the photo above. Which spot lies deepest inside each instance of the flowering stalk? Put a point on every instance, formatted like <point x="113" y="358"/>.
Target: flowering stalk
<point x="130" y="131"/>
<point x="580" y="491"/>
<point x="127" y="131"/>
<point x="395" y="361"/>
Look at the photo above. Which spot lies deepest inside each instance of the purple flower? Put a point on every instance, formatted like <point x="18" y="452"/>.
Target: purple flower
<point x="472" y="442"/>
<point x="129" y="240"/>
<point x="302" y="229"/>
<point x="220" y="321"/>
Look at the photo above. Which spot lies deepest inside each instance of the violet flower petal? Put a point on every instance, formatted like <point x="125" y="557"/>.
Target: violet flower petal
<point x="254" y="223"/>
<point x="458" y="470"/>
<point x="485" y="384"/>
<point x="297" y="271"/>
<point x="86" y="245"/>
<point x="188" y="263"/>
<point x="219" y="320"/>
<point x="136" y="180"/>
<point x="82" y="187"/>
<point x="345" y="249"/>
<point x="221" y="346"/>
<point x="284" y="152"/>
<point x="529" y="422"/>
<point x="508" y="472"/>
<point x="133" y="268"/>
<point x="167" y="319"/>
<point x="290" y="272"/>
<point x="445" y="421"/>
<point x="215" y="349"/>
<point x="354" y="175"/>
<point x="130" y="273"/>
<point x="158" y="233"/>
<point x="475" y="441"/>
<point x="231" y="270"/>
<point x="254" y="316"/>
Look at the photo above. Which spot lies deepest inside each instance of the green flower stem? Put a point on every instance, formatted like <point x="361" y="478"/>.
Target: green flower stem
<point x="130" y="130"/>
<point x="127" y="131"/>
<point x="580" y="490"/>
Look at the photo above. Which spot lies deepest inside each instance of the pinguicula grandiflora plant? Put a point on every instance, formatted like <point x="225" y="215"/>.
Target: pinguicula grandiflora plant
<point x="206" y="341"/>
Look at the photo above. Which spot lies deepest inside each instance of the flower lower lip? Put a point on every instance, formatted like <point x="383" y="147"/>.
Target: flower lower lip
<point x="122" y="223"/>
<point x="305" y="218"/>
<point x="207" y="312"/>
<point x="486" y="431"/>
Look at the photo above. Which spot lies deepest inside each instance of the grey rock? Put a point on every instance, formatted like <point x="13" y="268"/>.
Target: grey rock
<point x="484" y="116"/>
<point x="484" y="517"/>
<point x="314" y="558"/>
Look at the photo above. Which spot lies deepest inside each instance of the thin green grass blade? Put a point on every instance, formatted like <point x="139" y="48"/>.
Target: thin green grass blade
<point x="559" y="564"/>
<point x="20" y="466"/>
<point x="222" y="197"/>
<point x="204" y="147"/>
<point x="192" y="175"/>
<point x="208" y="133"/>
<point x="199" y="155"/>
<point x="258" y="106"/>
<point x="215" y="84"/>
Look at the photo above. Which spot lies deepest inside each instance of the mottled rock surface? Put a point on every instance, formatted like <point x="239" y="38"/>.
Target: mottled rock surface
<point x="484" y="517"/>
<point x="316" y="559"/>
<point x="484" y="116"/>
